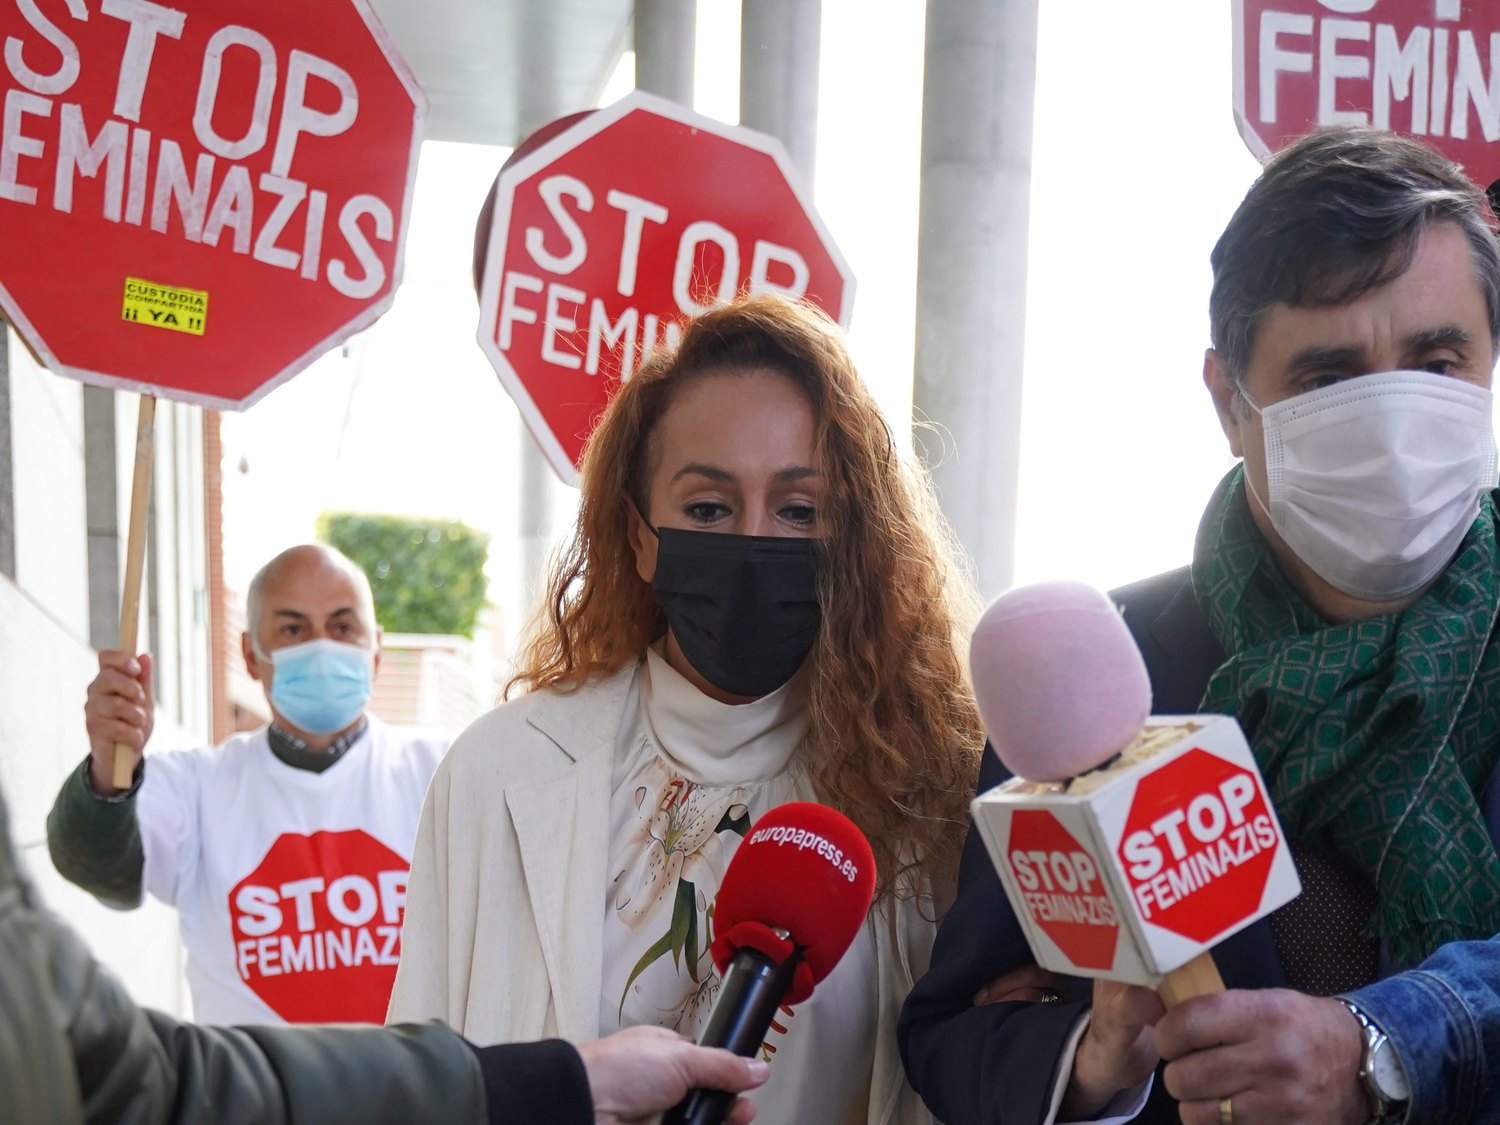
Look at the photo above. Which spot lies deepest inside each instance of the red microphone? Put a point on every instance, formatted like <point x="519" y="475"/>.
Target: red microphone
<point x="791" y="903"/>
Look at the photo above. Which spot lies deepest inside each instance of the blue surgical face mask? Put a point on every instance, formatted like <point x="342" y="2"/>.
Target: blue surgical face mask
<point x="321" y="686"/>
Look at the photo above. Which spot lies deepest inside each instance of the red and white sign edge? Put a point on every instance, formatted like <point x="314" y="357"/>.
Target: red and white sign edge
<point x="568" y="139"/>
<point x="349" y="329"/>
<point x="1241" y="121"/>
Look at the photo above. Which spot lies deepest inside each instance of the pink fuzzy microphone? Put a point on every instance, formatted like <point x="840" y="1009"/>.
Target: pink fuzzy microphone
<point x="1061" y="685"/>
<point x="1128" y="844"/>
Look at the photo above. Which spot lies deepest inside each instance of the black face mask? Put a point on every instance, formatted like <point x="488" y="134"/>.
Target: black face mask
<point x="744" y="608"/>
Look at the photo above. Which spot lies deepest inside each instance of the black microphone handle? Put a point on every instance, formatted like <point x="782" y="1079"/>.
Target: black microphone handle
<point x="748" y="999"/>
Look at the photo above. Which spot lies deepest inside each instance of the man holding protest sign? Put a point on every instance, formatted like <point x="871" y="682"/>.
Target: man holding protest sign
<point x="240" y="177"/>
<point x="285" y="850"/>
<point x="1342" y="603"/>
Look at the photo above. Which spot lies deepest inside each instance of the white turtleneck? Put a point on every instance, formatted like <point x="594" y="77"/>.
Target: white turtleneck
<point x="690" y="775"/>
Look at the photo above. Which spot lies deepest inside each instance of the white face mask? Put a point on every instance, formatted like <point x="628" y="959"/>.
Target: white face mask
<point x="1374" y="481"/>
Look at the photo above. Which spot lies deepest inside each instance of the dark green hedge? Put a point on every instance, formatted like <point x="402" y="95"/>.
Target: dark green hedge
<point x="428" y="575"/>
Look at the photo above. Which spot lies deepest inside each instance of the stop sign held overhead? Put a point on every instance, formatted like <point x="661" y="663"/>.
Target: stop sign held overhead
<point x="616" y="228"/>
<point x="198" y="200"/>
<point x="1427" y="68"/>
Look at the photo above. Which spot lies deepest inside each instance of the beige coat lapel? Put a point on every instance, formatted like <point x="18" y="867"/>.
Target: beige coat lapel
<point x="563" y="828"/>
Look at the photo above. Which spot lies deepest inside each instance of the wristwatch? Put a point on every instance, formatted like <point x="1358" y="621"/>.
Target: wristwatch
<point x="1380" y="1071"/>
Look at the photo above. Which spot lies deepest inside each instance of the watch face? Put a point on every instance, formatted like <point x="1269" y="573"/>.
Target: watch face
<point x="1388" y="1074"/>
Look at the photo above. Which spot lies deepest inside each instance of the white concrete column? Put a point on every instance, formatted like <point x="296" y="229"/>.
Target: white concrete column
<point x="977" y="99"/>
<point x="779" y="74"/>
<point x="540" y="100"/>
<point x="665" y="35"/>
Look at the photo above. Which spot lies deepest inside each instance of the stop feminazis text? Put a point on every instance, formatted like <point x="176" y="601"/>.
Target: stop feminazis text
<point x="1133" y="871"/>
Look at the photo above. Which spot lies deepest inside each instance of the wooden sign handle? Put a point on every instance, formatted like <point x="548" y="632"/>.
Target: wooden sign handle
<point x="1198" y="977"/>
<point x="135" y="560"/>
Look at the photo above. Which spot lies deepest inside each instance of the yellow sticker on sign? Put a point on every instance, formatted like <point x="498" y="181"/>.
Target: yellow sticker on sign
<point x="165" y="306"/>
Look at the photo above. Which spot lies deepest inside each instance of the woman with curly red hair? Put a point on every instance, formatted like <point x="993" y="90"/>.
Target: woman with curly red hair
<point x="760" y="604"/>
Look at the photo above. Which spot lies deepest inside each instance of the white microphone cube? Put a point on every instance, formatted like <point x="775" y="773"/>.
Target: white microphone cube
<point x="1132" y="870"/>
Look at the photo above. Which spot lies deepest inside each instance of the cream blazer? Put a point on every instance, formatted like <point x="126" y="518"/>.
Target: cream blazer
<point x="503" y="936"/>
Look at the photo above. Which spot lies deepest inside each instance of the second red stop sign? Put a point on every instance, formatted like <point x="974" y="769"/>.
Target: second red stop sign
<point x="611" y="232"/>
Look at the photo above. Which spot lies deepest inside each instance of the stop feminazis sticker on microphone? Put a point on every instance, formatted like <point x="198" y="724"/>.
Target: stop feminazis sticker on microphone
<point x="1134" y="869"/>
<point x="1063" y="889"/>
<point x="1198" y="845"/>
<point x="317" y="927"/>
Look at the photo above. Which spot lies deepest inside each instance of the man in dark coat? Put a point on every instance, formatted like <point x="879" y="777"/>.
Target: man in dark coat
<point x="1342" y="603"/>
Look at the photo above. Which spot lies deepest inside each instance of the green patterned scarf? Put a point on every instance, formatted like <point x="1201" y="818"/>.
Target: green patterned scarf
<point x="1376" y="737"/>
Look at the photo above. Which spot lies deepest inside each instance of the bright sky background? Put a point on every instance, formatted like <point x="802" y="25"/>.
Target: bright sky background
<point x="1137" y="167"/>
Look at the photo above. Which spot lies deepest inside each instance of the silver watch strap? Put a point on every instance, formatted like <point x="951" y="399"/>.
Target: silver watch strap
<point x="1381" y="1071"/>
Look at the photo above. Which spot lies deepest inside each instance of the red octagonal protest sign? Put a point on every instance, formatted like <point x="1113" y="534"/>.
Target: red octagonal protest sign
<point x="1063" y="890"/>
<point x="613" y="230"/>
<point x="1198" y="845"/>
<point x="1427" y="68"/>
<point x="197" y="200"/>
<point x="317" y="927"/>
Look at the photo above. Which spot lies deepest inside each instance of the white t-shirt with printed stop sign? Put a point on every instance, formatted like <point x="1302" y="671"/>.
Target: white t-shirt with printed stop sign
<point x="291" y="885"/>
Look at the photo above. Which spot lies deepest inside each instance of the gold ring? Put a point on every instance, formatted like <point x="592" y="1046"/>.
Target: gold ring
<point x="1226" y="1112"/>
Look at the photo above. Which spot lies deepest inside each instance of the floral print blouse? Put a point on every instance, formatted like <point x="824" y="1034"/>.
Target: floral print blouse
<point x="691" y="774"/>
